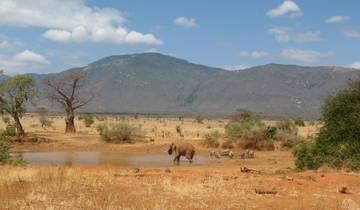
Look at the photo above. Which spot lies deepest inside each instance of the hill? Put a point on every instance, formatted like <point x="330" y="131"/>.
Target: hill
<point x="156" y="83"/>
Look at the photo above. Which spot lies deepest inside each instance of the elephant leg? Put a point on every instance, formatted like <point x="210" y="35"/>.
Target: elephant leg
<point x="189" y="156"/>
<point x="177" y="159"/>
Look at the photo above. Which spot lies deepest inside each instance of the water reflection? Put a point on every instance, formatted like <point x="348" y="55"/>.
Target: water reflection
<point x="101" y="158"/>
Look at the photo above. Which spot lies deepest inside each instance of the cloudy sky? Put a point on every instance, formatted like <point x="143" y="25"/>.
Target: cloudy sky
<point x="54" y="35"/>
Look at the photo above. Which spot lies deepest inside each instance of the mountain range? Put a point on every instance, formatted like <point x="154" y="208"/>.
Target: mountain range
<point x="152" y="83"/>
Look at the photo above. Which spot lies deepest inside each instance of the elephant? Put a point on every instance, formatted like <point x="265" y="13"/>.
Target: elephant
<point x="182" y="149"/>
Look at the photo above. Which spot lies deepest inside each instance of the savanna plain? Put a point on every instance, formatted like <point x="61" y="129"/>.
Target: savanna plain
<point x="267" y="181"/>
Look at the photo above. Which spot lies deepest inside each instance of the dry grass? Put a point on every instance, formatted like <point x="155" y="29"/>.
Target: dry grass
<point x="175" y="188"/>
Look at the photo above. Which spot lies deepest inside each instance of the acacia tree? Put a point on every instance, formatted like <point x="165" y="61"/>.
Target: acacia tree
<point x="15" y="92"/>
<point x="66" y="90"/>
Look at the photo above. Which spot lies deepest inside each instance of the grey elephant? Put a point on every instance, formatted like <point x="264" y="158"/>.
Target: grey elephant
<point x="182" y="149"/>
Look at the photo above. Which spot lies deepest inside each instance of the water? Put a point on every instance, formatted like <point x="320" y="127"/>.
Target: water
<point x="102" y="158"/>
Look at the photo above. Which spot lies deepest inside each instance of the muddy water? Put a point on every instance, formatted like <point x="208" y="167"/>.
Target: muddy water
<point x="102" y="158"/>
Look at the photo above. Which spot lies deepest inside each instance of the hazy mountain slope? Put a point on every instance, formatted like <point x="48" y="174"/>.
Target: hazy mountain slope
<point x="155" y="83"/>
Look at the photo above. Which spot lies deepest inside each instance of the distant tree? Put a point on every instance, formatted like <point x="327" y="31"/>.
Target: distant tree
<point x="66" y="90"/>
<point x="43" y="117"/>
<point x="243" y="115"/>
<point x="15" y="92"/>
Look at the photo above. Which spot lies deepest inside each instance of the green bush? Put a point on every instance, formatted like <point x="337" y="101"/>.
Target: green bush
<point x="236" y="130"/>
<point x="338" y="142"/>
<point x="271" y="132"/>
<point x="10" y="130"/>
<point x="88" y="120"/>
<point x="4" y="153"/>
<point x="299" y="122"/>
<point x="212" y="139"/>
<point x="120" y="133"/>
<point x="306" y="157"/>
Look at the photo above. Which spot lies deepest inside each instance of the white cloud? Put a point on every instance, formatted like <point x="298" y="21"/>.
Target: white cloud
<point x="287" y="7"/>
<point x="8" y="44"/>
<point x="72" y="21"/>
<point x="254" y="54"/>
<point x="337" y="19"/>
<point x="235" y="67"/>
<point x="355" y="65"/>
<point x="305" y="56"/>
<point x="58" y="35"/>
<point x="352" y="33"/>
<point x="187" y="22"/>
<point x="152" y="50"/>
<point x="284" y="34"/>
<point x="28" y="56"/>
<point x="26" y="59"/>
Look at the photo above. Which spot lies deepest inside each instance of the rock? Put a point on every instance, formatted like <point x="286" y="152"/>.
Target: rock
<point x="344" y="190"/>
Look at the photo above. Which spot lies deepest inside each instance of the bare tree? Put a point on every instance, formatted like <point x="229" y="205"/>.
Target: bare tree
<point x="66" y="90"/>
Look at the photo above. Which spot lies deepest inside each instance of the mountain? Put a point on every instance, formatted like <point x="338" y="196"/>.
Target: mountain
<point x="156" y="83"/>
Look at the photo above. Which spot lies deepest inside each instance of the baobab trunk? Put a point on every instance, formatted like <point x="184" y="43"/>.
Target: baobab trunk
<point x="19" y="129"/>
<point x="69" y="121"/>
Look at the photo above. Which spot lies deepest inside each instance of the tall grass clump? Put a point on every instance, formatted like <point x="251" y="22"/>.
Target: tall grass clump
<point x="299" y="122"/>
<point x="338" y="142"/>
<point x="121" y="133"/>
<point x="4" y="153"/>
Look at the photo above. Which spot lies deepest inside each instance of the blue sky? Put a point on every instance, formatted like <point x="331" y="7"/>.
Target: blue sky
<point x="54" y="35"/>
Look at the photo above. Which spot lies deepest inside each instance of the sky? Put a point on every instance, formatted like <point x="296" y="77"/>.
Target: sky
<point x="45" y="36"/>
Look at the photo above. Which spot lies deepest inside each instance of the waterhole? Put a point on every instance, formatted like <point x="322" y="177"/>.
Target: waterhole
<point x="102" y="158"/>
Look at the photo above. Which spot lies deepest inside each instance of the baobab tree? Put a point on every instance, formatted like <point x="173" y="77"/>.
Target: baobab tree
<point x="15" y="92"/>
<point x="66" y="90"/>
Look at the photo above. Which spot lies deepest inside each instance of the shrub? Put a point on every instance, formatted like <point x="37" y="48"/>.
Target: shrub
<point x="212" y="139"/>
<point x="10" y="130"/>
<point x="236" y="130"/>
<point x="88" y="120"/>
<point x="299" y="122"/>
<point x="120" y="133"/>
<point x="4" y="153"/>
<point x="338" y="142"/>
<point x="256" y="138"/>
<point x="271" y="132"/>
<point x="306" y="157"/>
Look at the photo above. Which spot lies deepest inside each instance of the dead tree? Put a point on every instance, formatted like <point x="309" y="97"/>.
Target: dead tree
<point x="66" y="90"/>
